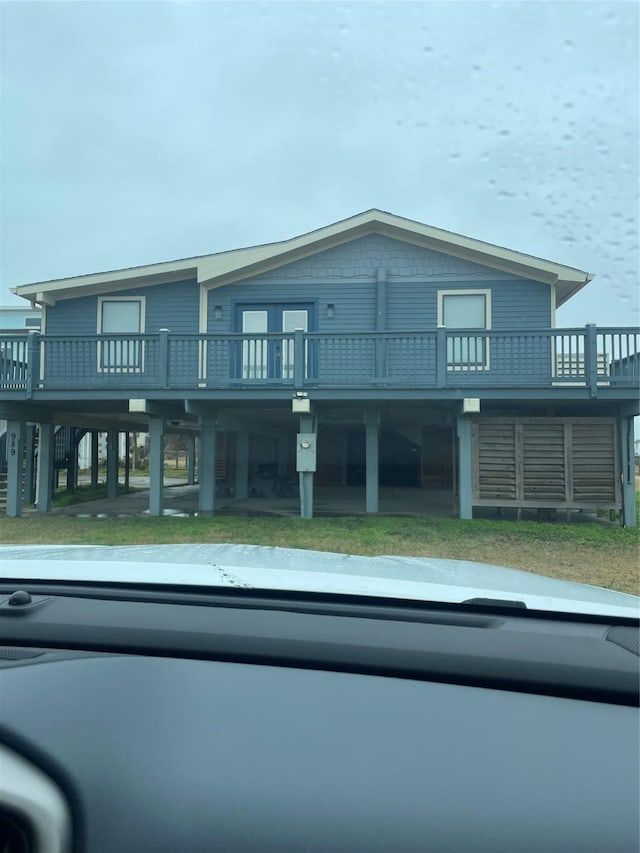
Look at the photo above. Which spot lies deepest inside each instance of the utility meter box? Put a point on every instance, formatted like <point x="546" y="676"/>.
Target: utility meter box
<point x="306" y="451"/>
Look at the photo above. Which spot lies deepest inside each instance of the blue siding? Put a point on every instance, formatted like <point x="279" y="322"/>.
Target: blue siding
<point x="345" y="277"/>
<point x="72" y="317"/>
<point x="174" y="306"/>
<point x="520" y="304"/>
<point x="515" y="303"/>
<point x="355" y="303"/>
<point x="363" y="256"/>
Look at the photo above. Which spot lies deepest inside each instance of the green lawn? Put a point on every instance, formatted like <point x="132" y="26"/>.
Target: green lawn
<point x="593" y="553"/>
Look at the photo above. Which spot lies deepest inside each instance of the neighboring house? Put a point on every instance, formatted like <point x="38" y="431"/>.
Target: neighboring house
<point x="20" y="318"/>
<point x="15" y="321"/>
<point x="15" y="324"/>
<point x="374" y="352"/>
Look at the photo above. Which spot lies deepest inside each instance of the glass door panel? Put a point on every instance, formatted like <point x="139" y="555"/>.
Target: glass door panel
<point x="292" y="319"/>
<point x="255" y="350"/>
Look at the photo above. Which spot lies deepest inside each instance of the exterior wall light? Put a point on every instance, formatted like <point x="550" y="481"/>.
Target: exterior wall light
<point x="301" y="406"/>
<point x="330" y="310"/>
<point x="217" y="312"/>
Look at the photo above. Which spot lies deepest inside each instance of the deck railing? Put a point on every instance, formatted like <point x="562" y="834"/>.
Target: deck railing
<point x="443" y="358"/>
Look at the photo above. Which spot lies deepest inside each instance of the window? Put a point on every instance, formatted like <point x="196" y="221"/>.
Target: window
<point x="119" y="318"/>
<point x="465" y="309"/>
<point x="32" y="322"/>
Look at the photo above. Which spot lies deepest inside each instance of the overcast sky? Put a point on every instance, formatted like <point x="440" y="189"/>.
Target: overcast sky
<point x="137" y="132"/>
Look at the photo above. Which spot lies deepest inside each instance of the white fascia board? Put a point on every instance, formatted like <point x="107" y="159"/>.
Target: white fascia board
<point x="225" y="267"/>
<point x="66" y="288"/>
<point x="449" y="242"/>
<point x="217" y="270"/>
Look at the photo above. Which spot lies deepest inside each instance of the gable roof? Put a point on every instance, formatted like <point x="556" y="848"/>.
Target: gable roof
<point x="226" y="267"/>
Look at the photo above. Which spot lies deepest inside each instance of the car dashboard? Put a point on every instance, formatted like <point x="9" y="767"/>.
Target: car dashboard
<point x="155" y="719"/>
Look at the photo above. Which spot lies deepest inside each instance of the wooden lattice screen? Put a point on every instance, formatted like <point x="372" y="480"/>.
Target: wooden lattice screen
<point x="546" y="462"/>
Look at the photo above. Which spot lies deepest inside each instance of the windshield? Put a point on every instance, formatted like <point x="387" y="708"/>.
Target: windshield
<point x="338" y="278"/>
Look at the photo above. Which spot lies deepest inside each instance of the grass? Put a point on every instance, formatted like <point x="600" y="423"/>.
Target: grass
<point x="587" y="552"/>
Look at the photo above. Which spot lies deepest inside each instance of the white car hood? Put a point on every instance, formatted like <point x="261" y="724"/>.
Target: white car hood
<point x="260" y="567"/>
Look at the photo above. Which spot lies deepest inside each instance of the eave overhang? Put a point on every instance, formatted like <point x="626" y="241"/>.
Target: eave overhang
<point x="223" y="268"/>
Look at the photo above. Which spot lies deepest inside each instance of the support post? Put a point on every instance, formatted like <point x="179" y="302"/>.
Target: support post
<point x="15" y="452"/>
<point x="72" y="462"/>
<point x="372" y="426"/>
<point x="95" y="437"/>
<point x="127" y="460"/>
<point x="625" y="440"/>
<point x="207" y="465"/>
<point x="191" y="459"/>
<point x="242" y="465"/>
<point x="112" y="463"/>
<point x="156" y="464"/>
<point x="465" y="467"/>
<point x="29" y="465"/>
<point x="44" y="485"/>
<point x="306" y="477"/>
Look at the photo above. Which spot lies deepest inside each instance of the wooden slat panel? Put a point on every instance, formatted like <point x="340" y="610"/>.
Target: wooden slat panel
<point x="544" y="462"/>
<point x="495" y="465"/>
<point x="562" y="462"/>
<point x="594" y="462"/>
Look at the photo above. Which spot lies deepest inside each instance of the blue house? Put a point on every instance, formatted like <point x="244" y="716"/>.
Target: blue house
<point x="374" y="352"/>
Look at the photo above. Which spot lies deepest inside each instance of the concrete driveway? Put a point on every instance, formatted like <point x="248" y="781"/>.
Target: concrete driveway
<point x="182" y="499"/>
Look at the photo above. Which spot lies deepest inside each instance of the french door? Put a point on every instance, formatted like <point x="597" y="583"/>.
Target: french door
<point x="271" y="357"/>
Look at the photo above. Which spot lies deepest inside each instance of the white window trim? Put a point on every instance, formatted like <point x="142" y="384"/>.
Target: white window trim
<point x="125" y="369"/>
<point x="140" y="299"/>
<point x="486" y="292"/>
